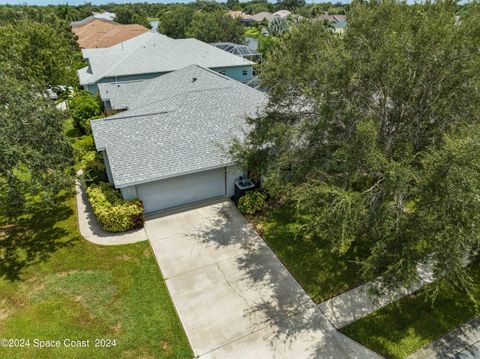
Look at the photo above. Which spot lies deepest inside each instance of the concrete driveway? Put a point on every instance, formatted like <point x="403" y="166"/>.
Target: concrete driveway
<point x="234" y="297"/>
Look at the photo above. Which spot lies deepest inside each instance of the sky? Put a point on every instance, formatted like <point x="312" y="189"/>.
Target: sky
<point x="100" y="2"/>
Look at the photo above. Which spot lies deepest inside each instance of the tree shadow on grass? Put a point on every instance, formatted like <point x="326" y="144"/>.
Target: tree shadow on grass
<point x="402" y="327"/>
<point x="322" y="272"/>
<point x="33" y="239"/>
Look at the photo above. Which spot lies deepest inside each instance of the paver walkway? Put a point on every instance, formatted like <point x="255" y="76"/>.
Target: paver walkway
<point x="358" y="302"/>
<point x="234" y="297"/>
<point x="91" y="230"/>
<point x="461" y="343"/>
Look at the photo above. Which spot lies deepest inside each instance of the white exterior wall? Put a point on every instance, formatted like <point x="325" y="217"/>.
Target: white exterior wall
<point x="233" y="172"/>
<point x="129" y="192"/>
<point x="107" y="167"/>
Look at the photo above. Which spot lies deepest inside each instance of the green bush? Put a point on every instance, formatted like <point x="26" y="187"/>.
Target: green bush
<point x="113" y="213"/>
<point x="274" y="185"/>
<point x="252" y="202"/>
<point x="93" y="168"/>
<point x="84" y="107"/>
<point x="81" y="146"/>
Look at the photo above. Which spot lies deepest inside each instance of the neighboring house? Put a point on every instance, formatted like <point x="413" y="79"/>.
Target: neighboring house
<point x="94" y="32"/>
<point x="338" y="22"/>
<point x="340" y="26"/>
<point x="104" y="15"/>
<point x="235" y="14"/>
<point x="282" y="13"/>
<point x="151" y="55"/>
<point x="264" y="15"/>
<point x="166" y="148"/>
<point x="243" y="17"/>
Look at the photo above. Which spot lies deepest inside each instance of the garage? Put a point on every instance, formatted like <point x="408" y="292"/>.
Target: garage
<point x="182" y="190"/>
<point x="170" y="147"/>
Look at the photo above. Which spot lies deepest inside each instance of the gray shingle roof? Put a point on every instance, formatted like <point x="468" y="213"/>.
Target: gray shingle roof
<point x="176" y="126"/>
<point x="152" y="52"/>
<point x="121" y="94"/>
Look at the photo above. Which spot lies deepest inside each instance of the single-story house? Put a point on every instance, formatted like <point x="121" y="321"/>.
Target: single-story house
<point x="94" y="32"/>
<point x="168" y="147"/>
<point x="282" y="13"/>
<point x="263" y="15"/>
<point x="151" y="55"/>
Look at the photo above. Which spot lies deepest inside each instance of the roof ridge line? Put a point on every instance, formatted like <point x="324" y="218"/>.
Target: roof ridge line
<point x="123" y="58"/>
<point x="111" y="118"/>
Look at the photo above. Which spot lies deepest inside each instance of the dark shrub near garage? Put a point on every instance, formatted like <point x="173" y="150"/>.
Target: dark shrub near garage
<point x="252" y="202"/>
<point x="93" y="168"/>
<point x="113" y="213"/>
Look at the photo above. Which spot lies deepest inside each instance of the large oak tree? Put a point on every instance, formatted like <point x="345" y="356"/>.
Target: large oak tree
<point x="374" y="135"/>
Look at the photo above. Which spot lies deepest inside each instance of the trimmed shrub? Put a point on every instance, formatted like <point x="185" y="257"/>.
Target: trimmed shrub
<point x="84" y="107"/>
<point x="113" y="213"/>
<point x="93" y="168"/>
<point x="252" y="202"/>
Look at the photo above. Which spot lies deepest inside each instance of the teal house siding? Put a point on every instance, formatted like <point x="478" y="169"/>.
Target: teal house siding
<point x="239" y="73"/>
<point x="151" y="55"/>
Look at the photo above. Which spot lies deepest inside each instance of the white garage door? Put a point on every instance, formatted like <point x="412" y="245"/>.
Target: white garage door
<point x="182" y="190"/>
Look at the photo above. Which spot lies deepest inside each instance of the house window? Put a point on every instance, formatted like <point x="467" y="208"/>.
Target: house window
<point x="245" y="72"/>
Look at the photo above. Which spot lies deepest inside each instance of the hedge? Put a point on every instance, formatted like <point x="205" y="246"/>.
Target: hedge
<point x="113" y="213"/>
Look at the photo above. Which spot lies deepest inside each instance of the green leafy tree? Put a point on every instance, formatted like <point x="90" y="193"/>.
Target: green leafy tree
<point x="376" y="133"/>
<point x="38" y="52"/>
<point x="266" y="44"/>
<point x="233" y="4"/>
<point x="290" y="4"/>
<point x="83" y="107"/>
<point x="254" y="8"/>
<point x="175" y="22"/>
<point x="35" y="155"/>
<point x="127" y="15"/>
<point x="67" y="13"/>
<point x="215" y="27"/>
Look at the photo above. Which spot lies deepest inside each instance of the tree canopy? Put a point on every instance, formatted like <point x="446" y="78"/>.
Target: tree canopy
<point x="175" y="21"/>
<point x="128" y="15"/>
<point x="374" y="136"/>
<point x="215" y="27"/>
<point x="39" y="52"/>
<point x="35" y="155"/>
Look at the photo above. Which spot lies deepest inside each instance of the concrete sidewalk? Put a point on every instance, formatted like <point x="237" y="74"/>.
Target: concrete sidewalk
<point x="358" y="302"/>
<point x="91" y="230"/>
<point x="461" y="343"/>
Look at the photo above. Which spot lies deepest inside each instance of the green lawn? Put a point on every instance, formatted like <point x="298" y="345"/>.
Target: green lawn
<point x="402" y="328"/>
<point x="321" y="273"/>
<point x="55" y="285"/>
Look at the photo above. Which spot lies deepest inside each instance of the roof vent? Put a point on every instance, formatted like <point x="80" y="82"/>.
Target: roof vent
<point x="194" y="79"/>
